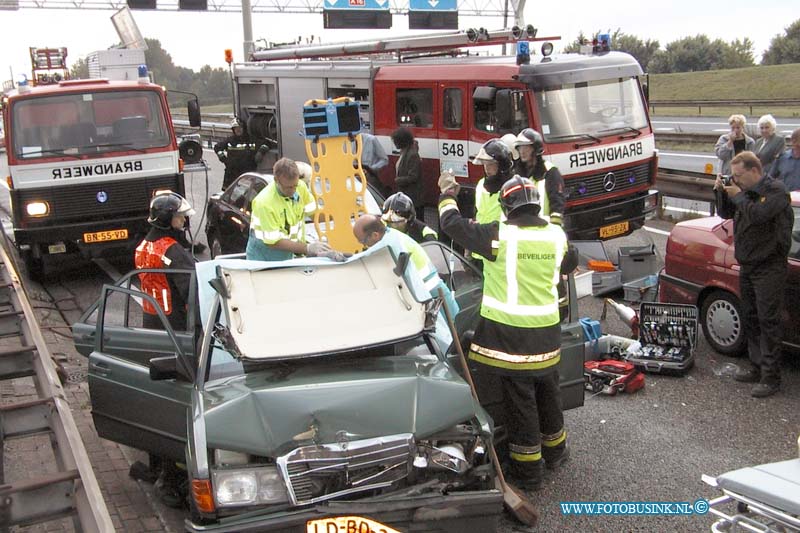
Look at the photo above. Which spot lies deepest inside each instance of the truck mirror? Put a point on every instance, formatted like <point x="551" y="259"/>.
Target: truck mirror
<point x="162" y="368"/>
<point x="646" y="88"/>
<point x="193" y="110"/>
<point x="484" y="94"/>
<point x="504" y="110"/>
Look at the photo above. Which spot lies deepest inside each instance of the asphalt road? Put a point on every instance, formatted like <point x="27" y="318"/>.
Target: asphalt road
<point x="650" y="446"/>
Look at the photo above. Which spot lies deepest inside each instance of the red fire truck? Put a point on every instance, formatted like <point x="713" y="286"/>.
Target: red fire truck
<point x="590" y="108"/>
<point x="85" y="157"/>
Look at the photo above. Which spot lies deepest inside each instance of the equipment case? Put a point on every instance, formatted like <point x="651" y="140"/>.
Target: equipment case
<point x="668" y="336"/>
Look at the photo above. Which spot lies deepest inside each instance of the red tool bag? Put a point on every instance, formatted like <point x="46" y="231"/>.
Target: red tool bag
<point x="610" y="376"/>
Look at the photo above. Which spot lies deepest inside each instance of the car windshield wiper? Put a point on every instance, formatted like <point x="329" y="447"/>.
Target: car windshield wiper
<point x="116" y="145"/>
<point x="637" y="131"/>
<point x="575" y="136"/>
<point x="58" y="151"/>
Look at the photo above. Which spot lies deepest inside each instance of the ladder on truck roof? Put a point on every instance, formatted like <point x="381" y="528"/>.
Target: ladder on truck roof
<point x="438" y="42"/>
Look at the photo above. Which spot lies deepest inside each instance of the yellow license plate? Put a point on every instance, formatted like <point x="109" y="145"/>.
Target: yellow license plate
<point x="347" y="524"/>
<point x="614" y="229"/>
<point x="103" y="236"/>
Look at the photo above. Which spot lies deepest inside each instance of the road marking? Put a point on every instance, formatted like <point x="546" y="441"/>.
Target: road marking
<point x="665" y="129"/>
<point x="114" y="274"/>
<point x="656" y="230"/>
<point x="675" y="154"/>
<point x="711" y="123"/>
<point x="723" y="130"/>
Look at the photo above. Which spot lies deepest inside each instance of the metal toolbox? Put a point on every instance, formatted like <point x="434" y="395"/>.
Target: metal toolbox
<point x="668" y="336"/>
<point x="636" y="262"/>
<point x="642" y="289"/>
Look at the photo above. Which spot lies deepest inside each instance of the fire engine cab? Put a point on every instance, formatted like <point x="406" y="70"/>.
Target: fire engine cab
<point x="85" y="157"/>
<point x="590" y="109"/>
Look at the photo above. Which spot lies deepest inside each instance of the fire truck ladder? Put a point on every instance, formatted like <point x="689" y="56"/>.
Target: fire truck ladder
<point x="437" y="42"/>
<point x="68" y="488"/>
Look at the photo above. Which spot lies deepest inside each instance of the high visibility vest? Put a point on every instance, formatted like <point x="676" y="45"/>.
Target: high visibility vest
<point x="487" y="205"/>
<point x="544" y="200"/>
<point x="151" y="254"/>
<point x="520" y="286"/>
<point x="275" y="217"/>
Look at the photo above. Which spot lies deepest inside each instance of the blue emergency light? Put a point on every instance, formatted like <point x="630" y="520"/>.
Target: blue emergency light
<point x="331" y="119"/>
<point x="523" y="52"/>
<point x="143" y="71"/>
<point x="603" y="42"/>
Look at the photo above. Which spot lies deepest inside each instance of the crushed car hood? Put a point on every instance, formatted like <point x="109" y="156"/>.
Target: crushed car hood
<point x="271" y="412"/>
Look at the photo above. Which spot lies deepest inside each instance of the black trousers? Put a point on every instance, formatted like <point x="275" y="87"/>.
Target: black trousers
<point x="762" y="288"/>
<point x="528" y="406"/>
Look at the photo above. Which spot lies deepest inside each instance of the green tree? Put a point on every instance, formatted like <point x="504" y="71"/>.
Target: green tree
<point x="691" y="54"/>
<point x="642" y="50"/>
<point x="79" y="70"/>
<point x="784" y="48"/>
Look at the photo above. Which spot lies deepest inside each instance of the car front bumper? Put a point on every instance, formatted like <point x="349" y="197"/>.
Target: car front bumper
<point x="458" y="512"/>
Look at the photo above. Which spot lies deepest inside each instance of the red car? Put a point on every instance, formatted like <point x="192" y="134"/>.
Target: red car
<point x="700" y="269"/>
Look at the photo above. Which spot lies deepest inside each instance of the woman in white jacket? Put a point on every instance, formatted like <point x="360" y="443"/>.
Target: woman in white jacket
<point x="770" y="146"/>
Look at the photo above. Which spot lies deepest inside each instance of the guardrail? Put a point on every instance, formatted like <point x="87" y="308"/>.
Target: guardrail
<point x="68" y="488"/>
<point x="686" y="185"/>
<point x="776" y="102"/>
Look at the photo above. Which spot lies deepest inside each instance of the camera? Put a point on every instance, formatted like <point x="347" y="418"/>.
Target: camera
<point x="726" y="179"/>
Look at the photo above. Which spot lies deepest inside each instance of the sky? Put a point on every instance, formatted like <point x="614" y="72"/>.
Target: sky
<point x="197" y="39"/>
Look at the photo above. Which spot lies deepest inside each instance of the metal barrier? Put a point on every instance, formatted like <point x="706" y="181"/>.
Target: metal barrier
<point x="70" y="489"/>
<point x="786" y="102"/>
<point x="686" y="185"/>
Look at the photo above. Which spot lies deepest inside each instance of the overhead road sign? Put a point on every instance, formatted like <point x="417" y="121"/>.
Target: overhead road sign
<point x="351" y="14"/>
<point x="142" y="4"/>
<point x="9" y="5"/>
<point x="433" y="14"/>
<point x="193" y="5"/>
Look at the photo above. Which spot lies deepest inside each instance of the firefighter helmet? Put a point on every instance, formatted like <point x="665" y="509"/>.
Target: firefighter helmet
<point x="164" y="206"/>
<point x="496" y="150"/>
<point x="519" y="192"/>
<point x="398" y="206"/>
<point x="236" y="123"/>
<point x="511" y="141"/>
<point x="532" y="137"/>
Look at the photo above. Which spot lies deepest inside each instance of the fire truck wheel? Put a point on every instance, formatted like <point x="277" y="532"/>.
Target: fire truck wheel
<point x="721" y="319"/>
<point x="34" y="266"/>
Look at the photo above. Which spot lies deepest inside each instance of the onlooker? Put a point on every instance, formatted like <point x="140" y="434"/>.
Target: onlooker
<point x="373" y="159"/>
<point x="762" y="235"/>
<point x="770" y="146"/>
<point x="731" y="144"/>
<point x="409" y="168"/>
<point x="787" y="167"/>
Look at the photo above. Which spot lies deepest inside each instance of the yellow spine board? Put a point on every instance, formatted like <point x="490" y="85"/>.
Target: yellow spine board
<point x="339" y="186"/>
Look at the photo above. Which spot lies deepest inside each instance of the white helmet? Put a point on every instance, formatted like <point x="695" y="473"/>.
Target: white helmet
<point x="236" y="123"/>
<point x="511" y="141"/>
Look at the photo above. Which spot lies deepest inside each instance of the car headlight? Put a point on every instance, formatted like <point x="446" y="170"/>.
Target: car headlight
<point x="248" y="486"/>
<point x="37" y="209"/>
<point x="446" y="456"/>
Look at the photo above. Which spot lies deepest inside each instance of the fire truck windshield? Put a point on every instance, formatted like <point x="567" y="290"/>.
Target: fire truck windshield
<point x="591" y="110"/>
<point x="83" y="124"/>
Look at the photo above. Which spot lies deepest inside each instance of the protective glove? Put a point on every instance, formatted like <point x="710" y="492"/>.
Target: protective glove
<point x="448" y="183"/>
<point x="318" y="249"/>
<point x="335" y="255"/>
<point x="222" y="157"/>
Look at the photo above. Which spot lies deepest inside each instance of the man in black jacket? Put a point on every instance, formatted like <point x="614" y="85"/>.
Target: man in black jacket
<point x="762" y="231"/>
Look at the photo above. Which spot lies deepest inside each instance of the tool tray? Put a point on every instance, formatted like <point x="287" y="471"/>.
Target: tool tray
<point x="668" y="336"/>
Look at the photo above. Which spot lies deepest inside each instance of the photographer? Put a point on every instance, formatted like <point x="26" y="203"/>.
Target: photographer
<point x="762" y="225"/>
<point x="733" y="143"/>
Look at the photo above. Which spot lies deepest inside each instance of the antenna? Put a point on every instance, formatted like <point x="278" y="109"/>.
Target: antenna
<point x="127" y="29"/>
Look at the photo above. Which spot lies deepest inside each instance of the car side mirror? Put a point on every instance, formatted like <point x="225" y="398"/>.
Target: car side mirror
<point x="163" y="368"/>
<point x="796" y="236"/>
<point x="193" y="110"/>
<point x="504" y="110"/>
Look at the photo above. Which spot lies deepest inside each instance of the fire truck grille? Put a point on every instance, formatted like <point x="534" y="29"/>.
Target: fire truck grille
<point x="605" y="183"/>
<point x="97" y="201"/>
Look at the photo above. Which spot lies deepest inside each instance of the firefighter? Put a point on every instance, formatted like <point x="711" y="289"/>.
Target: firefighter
<point x="498" y="163"/>
<point x="517" y="342"/>
<point x="163" y="247"/>
<point x="238" y="153"/>
<point x="277" y="219"/>
<point x="545" y="174"/>
<point x="399" y="213"/>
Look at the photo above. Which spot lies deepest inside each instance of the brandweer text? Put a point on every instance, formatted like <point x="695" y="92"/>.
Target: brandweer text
<point x="602" y="155"/>
<point x="96" y="170"/>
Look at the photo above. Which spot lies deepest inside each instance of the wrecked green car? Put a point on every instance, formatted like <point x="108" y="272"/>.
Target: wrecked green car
<point x="302" y="396"/>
